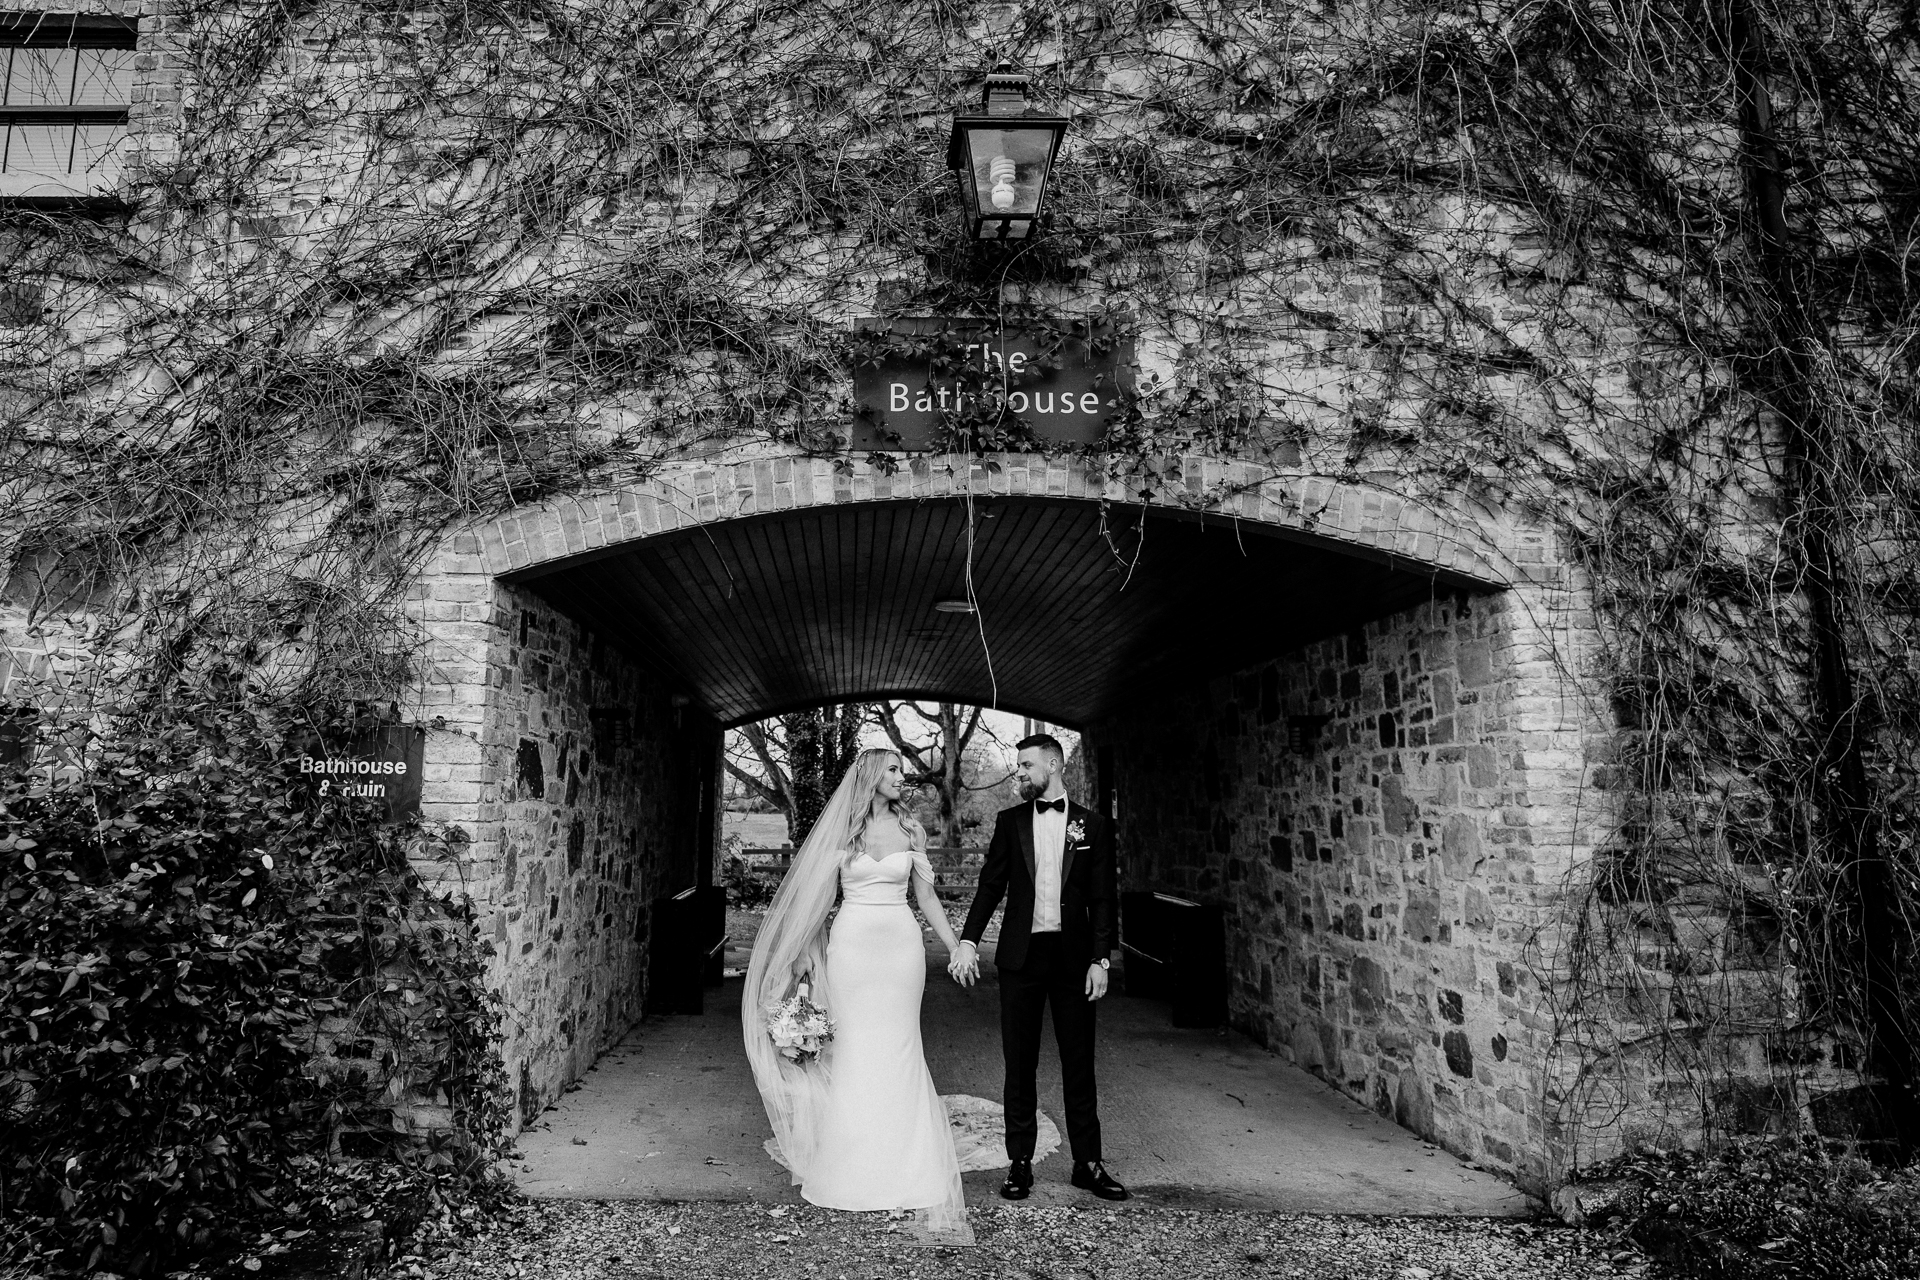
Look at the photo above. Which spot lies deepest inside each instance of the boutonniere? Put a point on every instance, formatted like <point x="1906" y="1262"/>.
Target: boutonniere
<point x="1076" y="831"/>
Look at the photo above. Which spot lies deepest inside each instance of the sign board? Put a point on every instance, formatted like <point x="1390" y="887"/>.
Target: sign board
<point x="382" y="765"/>
<point x="1063" y="382"/>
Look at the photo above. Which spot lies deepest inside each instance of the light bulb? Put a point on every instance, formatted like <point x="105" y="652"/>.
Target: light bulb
<point x="1001" y="170"/>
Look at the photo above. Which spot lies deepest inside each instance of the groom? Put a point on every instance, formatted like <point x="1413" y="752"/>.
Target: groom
<point x="1054" y="863"/>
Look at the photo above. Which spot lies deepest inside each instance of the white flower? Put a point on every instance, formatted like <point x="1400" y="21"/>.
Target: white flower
<point x="798" y="1028"/>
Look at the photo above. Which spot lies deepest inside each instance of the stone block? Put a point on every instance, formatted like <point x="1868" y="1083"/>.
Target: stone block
<point x="1483" y="767"/>
<point x="1371" y="990"/>
<point x="1474" y="664"/>
<point x="462" y="588"/>
<point x="1420" y="918"/>
<point x="1460" y="846"/>
<point x="1413" y="1104"/>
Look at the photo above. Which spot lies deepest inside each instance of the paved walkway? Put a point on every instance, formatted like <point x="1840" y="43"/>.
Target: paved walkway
<point x="1190" y="1119"/>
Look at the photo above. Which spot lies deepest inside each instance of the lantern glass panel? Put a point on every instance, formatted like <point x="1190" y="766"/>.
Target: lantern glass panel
<point x="1009" y="168"/>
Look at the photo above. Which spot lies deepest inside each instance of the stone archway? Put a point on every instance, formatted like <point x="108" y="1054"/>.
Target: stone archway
<point x="581" y="662"/>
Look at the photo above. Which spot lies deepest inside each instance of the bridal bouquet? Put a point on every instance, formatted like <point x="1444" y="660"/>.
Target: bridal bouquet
<point x="798" y="1027"/>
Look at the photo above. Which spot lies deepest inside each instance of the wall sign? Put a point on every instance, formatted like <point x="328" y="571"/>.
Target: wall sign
<point x="382" y="765"/>
<point x="1064" y="385"/>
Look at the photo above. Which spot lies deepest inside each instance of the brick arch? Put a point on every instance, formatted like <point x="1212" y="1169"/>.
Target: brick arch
<point x="1367" y="521"/>
<point x="584" y="781"/>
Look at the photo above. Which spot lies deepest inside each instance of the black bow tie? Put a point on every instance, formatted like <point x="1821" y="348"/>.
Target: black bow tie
<point x="1058" y="806"/>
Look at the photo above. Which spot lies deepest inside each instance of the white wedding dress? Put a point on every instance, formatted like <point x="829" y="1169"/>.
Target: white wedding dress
<point x="884" y="1140"/>
<point x="860" y="1127"/>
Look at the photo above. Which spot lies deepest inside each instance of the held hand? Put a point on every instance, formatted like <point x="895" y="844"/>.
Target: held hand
<point x="963" y="964"/>
<point x="1096" y="982"/>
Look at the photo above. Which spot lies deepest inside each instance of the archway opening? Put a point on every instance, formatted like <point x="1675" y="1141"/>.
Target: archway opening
<point x="1299" y="730"/>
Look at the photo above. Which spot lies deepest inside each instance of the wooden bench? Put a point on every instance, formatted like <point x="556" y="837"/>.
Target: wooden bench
<point x="686" y="949"/>
<point x="1174" y="949"/>
<point x="956" y="871"/>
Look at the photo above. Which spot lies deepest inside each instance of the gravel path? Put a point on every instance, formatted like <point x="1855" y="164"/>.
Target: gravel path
<point x="632" y="1240"/>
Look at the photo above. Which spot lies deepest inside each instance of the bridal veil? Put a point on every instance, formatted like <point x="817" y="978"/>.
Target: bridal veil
<point x="795" y="931"/>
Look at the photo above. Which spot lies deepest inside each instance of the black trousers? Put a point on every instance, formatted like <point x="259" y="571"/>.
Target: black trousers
<point x="1047" y="978"/>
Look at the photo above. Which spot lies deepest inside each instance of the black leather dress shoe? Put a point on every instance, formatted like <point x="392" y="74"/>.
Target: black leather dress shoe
<point x="1093" y="1176"/>
<point x="1019" y="1181"/>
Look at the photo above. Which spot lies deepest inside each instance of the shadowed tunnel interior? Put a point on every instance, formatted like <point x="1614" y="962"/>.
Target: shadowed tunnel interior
<point x="1080" y="607"/>
<point x="1333" y="895"/>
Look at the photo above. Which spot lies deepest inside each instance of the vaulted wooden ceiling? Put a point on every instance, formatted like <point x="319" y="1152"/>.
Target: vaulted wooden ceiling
<point x="769" y="613"/>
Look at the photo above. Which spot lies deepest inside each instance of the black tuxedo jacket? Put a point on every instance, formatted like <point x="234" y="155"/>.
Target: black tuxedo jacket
<point x="1088" y="898"/>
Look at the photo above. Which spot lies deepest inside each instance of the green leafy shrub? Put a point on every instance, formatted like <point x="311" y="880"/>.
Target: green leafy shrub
<point x="181" y="917"/>
<point x="1760" y="1207"/>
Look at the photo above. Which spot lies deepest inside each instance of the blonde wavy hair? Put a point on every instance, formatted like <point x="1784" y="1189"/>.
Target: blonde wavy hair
<point x="866" y="770"/>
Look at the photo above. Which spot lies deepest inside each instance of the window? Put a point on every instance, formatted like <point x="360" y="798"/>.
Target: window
<point x="65" y="85"/>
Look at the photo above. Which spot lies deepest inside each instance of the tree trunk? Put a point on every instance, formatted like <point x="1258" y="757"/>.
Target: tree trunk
<point x="952" y="773"/>
<point x="821" y="746"/>
<point x="940" y="764"/>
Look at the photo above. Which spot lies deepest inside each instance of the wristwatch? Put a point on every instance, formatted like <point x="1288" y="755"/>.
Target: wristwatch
<point x="1104" y="963"/>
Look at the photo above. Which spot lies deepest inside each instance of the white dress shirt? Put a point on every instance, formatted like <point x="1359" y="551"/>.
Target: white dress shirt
<point x="1049" y="851"/>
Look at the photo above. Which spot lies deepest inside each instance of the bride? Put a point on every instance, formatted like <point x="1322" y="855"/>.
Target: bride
<point x="861" y="1126"/>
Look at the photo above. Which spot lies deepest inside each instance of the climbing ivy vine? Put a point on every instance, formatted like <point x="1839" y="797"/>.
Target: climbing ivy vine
<point x="1641" y="269"/>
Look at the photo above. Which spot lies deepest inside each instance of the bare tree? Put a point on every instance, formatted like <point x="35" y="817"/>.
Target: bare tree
<point x="757" y="759"/>
<point x="794" y="761"/>
<point x="939" y="759"/>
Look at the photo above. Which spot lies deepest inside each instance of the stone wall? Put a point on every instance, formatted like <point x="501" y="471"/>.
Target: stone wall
<point x="1386" y="885"/>
<point x="586" y="793"/>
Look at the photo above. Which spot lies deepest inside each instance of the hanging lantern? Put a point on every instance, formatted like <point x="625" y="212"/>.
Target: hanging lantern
<point x="1004" y="156"/>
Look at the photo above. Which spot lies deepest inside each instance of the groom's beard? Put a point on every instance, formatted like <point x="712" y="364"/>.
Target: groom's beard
<point x="1032" y="790"/>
